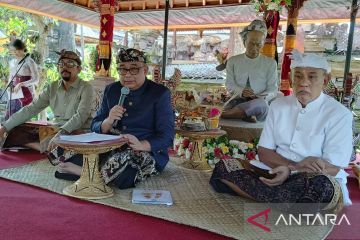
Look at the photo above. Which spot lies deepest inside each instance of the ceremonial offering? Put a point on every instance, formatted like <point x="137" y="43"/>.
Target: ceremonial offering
<point x="193" y="124"/>
<point x="212" y="122"/>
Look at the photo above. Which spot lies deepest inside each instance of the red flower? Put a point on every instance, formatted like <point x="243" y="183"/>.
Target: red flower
<point x="214" y="112"/>
<point x="186" y="142"/>
<point x="225" y="157"/>
<point x="190" y="146"/>
<point x="251" y="155"/>
<point x="282" y="3"/>
<point x="217" y="152"/>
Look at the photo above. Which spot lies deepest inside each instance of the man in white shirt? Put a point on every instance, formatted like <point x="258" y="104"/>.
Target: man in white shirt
<point x="306" y="140"/>
<point x="251" y="78"/>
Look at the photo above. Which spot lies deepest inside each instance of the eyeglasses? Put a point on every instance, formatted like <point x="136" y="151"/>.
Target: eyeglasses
<point x="132" y="71"/>
<point x="68" y="64"/>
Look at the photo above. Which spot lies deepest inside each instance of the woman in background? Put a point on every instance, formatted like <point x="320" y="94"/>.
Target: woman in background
<point x="24" y="80"/>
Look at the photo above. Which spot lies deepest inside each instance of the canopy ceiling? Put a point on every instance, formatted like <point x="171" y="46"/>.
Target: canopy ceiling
<point x="184" y="14"/>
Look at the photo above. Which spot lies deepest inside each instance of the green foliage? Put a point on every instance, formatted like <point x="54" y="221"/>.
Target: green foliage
<point x="52" y="72"/>
<point x="114" y="72"/>
<point x="4" y="75"/>
<point x="93" y="57"/>
<point x="87" y="73"/>
<point x="12" y="21"/>
<point x="275" y="5"/>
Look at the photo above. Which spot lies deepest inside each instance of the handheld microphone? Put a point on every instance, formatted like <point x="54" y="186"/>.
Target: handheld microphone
<point x="22" y="60"/>
<point x="124" y="92"/>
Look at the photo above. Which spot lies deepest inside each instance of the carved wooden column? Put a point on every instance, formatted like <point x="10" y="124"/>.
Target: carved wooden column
<point x="106" y="8"/>
<point x="290" y="40"/>
<point x="271" y="19"/>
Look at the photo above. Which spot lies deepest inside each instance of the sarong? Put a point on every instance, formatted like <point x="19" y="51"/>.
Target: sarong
<point x="16" y="104"/>
<point x="320" y="189"/>
<point x="115" y="163"/>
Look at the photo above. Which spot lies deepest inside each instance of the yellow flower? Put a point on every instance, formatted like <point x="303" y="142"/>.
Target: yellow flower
<point x="224" y="149"/>
<point x="221" y="145"/>
<point x="250" y="145"/>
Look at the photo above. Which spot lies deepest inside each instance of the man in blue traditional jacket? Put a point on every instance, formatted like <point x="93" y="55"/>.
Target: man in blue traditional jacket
<point x="146" y="119"/>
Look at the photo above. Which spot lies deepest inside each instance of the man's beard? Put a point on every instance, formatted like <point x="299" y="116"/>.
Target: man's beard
<point x="66" y="78"/>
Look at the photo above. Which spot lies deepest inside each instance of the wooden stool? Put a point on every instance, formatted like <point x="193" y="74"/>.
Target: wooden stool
<point x="198" y="160"/>
<point x="90" y="185"/>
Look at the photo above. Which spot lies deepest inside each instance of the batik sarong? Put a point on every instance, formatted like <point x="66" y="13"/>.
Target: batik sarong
<point x="321" y="190"/>
<point x="118" y="160"/>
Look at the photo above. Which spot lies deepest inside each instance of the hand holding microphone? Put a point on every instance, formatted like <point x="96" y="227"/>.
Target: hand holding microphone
<point x="118" y="111"/>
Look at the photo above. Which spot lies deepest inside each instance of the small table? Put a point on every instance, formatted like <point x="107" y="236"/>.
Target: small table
<point x="90" y="184"/>
<point x="198" y="160"/>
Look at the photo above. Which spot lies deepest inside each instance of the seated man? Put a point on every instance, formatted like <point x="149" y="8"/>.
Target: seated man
<point x="69" y="100"/>
<point x="251" y="78"/>
<point x="306" y="140"/>
<point x="146" y="119"/>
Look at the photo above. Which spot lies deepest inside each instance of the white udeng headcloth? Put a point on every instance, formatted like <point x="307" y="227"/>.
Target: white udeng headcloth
<point x="308" y="60"/>
<point x="256" y="25"/>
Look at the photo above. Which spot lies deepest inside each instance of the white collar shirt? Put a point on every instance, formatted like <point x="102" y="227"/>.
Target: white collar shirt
<point x="322" y="129"/>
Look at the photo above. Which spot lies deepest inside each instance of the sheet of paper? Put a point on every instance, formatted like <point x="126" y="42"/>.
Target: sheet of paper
<point x="40" y="123"/>
<point x="89" y="137"/>
<point x="16" y="95"/>
<point x="260" y="165"/>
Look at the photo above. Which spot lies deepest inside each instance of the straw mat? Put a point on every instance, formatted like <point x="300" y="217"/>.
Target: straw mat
<point x="195" y="202"/>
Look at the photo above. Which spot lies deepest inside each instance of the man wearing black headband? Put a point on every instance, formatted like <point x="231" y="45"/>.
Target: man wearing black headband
<point x="146" y="119"/>
<point x="69" y="100"/>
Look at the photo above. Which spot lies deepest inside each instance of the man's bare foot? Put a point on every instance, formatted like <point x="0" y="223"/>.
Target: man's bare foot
<point x="69" y="167"/>
<point x="33" y="145"/>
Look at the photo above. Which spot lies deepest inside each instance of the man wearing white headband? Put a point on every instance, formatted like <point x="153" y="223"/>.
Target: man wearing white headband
<point x="306" y="140"/>
<point x="251" y="78"/>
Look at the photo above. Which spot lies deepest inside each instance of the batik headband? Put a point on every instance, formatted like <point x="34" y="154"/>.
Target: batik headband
<point x="64" y="54"/>
<point x="130" y="55"/>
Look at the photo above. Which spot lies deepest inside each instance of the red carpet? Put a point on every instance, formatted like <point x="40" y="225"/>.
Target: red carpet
<point x="11" y="159"/>
<point x="344" y="231"/>
<point x="31" y="213"/>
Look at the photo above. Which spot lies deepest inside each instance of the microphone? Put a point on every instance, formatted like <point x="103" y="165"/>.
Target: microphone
<point x="22" y="60"/>
<point x="124" y="92"/>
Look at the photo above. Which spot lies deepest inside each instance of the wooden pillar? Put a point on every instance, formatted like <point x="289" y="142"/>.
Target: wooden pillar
<point x="290" y="40"/>
<point x="82" y="43"/>
<point x="174" y="44"/>
<point x="271" y="19"/>
<point x="107" y="10"/>
<point x="166" y="28"/>
<point x="126" y="38"/>
<point x="354" y="10"/>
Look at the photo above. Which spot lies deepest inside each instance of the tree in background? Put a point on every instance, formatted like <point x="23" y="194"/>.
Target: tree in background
<point x="33" y="29"/>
